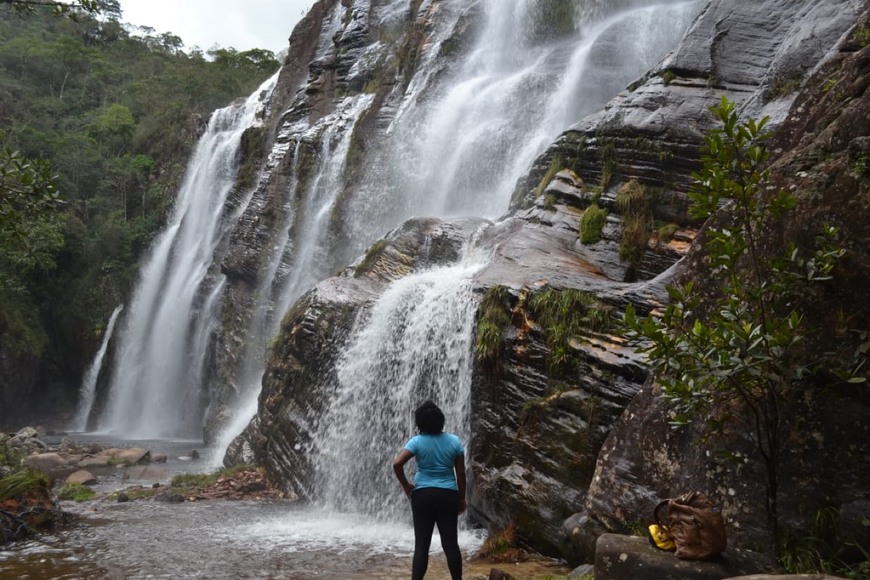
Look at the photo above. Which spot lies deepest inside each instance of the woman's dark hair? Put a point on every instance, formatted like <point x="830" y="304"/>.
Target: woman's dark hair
<point x="429" y="418"/>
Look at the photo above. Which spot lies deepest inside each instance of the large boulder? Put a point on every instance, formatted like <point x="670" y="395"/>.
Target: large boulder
<point x="50" y="463"/>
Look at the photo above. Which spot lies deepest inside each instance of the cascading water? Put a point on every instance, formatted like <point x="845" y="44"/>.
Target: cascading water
<point x="416" y="344"/>
<point x="519" y="88"/>
<point x="290" y="272"/>
<point x="456" y="144"/>
<point x="467" y="149"/>
<point x="155" y="389"/>
<point x="89" y="382"/>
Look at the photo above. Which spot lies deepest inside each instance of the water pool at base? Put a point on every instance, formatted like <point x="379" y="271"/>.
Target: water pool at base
<point x="234" y="539"/>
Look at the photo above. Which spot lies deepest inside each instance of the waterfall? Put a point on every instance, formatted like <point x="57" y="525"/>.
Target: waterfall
<point x="89" y="382"/>
<point x="452" y="142"/>
<point x="462" y="153"/>
<point x="156" y="386"/>
<point x="297" y="261"/>
<point x="416" y="344"/>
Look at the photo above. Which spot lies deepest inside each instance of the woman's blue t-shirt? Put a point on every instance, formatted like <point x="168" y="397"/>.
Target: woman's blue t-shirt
<point x="435" y="456"/>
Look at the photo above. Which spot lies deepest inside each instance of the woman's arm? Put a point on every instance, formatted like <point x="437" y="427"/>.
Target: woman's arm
<point x="459" y="466"/>
<point x="399" y="469"/>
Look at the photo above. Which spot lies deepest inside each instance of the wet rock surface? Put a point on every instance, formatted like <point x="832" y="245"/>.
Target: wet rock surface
<point x="632" y="558"/>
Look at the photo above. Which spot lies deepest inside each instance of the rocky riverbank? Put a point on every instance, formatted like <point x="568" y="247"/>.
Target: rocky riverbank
<point x="37" y="477"/>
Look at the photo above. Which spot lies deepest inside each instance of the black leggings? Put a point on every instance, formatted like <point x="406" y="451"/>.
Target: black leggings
<point x="430" y="506"/>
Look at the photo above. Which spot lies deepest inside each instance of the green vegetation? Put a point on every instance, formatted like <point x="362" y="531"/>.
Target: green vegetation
<point x="668" y="76"/>
<point x="494" y="316"/>
<point x="739" y="355"/>
<point x="191" y="484"/>
<point x="556" y="166"/>
<point x="21" y="482"/>
<point x="635" y="204"/>
<point x="96" y="124"/>
<point x="782" y="87"/>
<point x="592" y="223"/>
<point x="812" y="550"/>
<point x="609" y="163"/>
<point x="370" y="259"/>
<point x="563" y="315"/>
<point x="75" y="492"/>
<point x="665" y="232"/>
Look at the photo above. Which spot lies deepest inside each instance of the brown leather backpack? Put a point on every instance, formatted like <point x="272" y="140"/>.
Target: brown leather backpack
<point x="696" y="525"/>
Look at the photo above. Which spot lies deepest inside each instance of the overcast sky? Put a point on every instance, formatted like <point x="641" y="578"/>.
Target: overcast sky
<point x="241" y="24"/>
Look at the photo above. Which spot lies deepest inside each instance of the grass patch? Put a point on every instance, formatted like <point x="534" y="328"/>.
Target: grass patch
<point x="493" y="318"/>
<point x="609" y="164"/>
<point x="782" y="87"/>
<point x="556" y="166"/>
<point x="21" y="482"/>
<point x="635" y="203"/>
<point x="564" y="314"/>
<point x="501" y="546"/>
<point x="812" y="549"/>
<point x="592" y="224"/>
<point x="370" y="259"/>
<point x="191" y="483"/>
<point x="75" y="492"/>
<point x="665" y="233"/>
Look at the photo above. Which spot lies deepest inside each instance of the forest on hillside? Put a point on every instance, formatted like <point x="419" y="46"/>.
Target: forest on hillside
<point x="97" y="121"/>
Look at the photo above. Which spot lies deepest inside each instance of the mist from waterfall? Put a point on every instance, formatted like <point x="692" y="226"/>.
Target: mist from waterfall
<point x="89" y="382"/>
<point x="155" y="388"/>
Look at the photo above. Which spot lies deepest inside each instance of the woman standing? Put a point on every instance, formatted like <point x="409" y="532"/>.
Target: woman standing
<point x="438" y="492"/>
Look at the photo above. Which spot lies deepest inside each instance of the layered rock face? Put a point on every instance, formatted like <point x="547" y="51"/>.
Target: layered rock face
<point x="821" y="145"/>
<point x="550" y="379"/>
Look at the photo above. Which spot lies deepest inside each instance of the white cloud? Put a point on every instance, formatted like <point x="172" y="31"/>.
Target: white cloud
<point x="227" y="23"/>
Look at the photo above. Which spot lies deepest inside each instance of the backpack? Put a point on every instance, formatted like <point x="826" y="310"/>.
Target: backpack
<point x="694" y="523"/>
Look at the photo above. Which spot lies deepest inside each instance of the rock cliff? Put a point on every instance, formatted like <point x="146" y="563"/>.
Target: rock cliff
<point x="560" y="416"/>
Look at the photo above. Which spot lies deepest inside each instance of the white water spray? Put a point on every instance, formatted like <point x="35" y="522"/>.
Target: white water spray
<point x="416" y="344"/>
<point x="462" y="153"/>
<point x="89" y="382"/>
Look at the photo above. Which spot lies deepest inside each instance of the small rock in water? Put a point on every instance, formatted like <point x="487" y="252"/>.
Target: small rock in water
<point x="168" y="497"/>
<point x="155" y="485"/>
<point x="123" y="497"/>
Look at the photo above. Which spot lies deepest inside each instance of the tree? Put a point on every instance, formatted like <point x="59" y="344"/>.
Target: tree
<point x="30" y="235"/>
<point x="748" y="342"/>
<point x="66" y="8"/>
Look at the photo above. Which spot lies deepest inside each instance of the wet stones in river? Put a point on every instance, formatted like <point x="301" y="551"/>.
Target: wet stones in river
<point x="52" y="464"/>
<point x="82" y="477"/>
